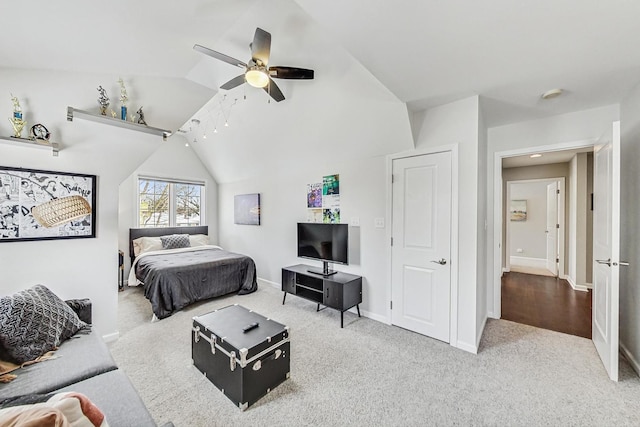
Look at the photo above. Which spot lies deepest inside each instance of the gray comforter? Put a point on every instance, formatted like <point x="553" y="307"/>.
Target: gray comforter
<point x="172" y="281"/>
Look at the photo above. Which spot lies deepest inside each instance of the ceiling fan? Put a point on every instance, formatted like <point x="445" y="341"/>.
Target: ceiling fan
<point x="257" y="71"/>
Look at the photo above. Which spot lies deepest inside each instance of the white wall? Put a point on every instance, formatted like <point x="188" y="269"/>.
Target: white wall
<point x="80" y="268"/>
<point x="530" y="235"/>
<point x="457" y="123"/>
<point x="572" y="264"/>
<point x="481" y="296"/>
<point x="580" y="223"/>
<point x="565" y="129"/>
<point x="362" y="188"/>
<point x="630" y="227"/>
<point x="171" y="160"/>
<point x="272" y="244"/>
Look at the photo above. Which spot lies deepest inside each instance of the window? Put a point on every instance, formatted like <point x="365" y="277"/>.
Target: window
<point x="168" y="203"/>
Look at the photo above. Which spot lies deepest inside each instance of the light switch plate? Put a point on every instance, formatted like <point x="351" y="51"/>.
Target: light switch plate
<point x="355" y="222"/>
<point x="379" y="222"/>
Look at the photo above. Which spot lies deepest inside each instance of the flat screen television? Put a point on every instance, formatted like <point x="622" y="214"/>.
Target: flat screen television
<point x="328" y="243"/>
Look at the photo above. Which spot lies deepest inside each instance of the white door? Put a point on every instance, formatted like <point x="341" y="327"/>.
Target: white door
<point x="606" y="238"/>
<point x="552" y="228"/>
<point x="421" y="251"/>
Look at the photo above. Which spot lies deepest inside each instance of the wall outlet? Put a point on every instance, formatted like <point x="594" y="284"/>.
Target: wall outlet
<point x="519" y="250"/>
<point x="355" y="222"/>
<point x="379" y="223"/>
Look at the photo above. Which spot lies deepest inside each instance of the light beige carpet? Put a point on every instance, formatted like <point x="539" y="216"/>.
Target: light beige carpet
<point x="372" y="374"/>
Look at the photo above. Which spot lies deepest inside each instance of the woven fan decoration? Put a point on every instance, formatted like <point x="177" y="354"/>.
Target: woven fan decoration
<point x="60" y="211"/>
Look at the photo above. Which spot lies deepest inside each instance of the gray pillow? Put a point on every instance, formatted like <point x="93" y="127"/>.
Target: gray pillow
<point x="175" y="241"/>
<point x="33" y="322"/>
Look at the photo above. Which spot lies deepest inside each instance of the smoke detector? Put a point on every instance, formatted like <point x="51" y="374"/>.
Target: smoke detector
<point x="553" y="93"/>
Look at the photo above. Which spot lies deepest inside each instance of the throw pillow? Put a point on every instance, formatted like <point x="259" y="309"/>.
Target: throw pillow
<point x="198" y="240"/>
<point x="175" y="241"/>
<point x="60" y="409"/>
<point x="146" y="244"/>
<point x="35" y="321"/>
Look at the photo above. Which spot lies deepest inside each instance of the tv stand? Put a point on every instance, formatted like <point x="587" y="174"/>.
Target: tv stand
<point x="340" y="291"/>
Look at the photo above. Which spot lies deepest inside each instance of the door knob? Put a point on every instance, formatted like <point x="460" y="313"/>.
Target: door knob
<point x="602" y="261"/>
<point x="625" y="263"/>
<point x="441" y="261"/>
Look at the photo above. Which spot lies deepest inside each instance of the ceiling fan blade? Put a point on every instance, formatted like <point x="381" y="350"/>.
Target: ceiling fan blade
<point x="220" y="56"/>
<point x="274" y="91"/>
<point x="261" y="47"/>
<point x="290" y="73"/>
<point x="234" y="82"/>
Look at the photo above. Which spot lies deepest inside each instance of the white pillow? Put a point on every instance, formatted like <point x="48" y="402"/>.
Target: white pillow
<point x="198" y="239"/>
<point x="146" y="244"/>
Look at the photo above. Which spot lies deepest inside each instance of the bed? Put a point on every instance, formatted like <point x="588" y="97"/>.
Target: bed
<point x="175" y="275"/>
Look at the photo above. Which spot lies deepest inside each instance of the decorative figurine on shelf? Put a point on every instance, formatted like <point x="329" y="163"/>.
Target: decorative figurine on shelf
<point x="123" y="100"/>
<point x="40" y="132"/>
<point x="141" y="117"/>
<point x="133" y="118"/>
<point x="103" y="100"/>
<point x="16" y="120"/>
<point x="113" y="113"/>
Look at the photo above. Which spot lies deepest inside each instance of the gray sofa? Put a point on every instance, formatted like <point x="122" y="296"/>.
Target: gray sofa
<point x="84" y="365"/>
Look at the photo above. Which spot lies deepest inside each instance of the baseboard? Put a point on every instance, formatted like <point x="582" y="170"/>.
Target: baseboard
<point x="466" y="347"/>
<point x="632" y="360"/>
<point x="269" y="282"/>
<point x="576" y="287"/>
<point x="372" y="316"/>
<point x="111" y="337"/>
<point x="481" y="331"/>
<point x="528" y="262"/>
<point x="506" y="270"/>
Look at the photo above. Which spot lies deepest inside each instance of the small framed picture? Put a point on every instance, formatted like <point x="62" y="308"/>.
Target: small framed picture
<point x="518" y="210"/>
<point x="246" y="209"/>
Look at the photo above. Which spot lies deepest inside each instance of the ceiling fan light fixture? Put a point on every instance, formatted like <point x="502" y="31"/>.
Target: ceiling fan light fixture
<point x="257" y="77"/>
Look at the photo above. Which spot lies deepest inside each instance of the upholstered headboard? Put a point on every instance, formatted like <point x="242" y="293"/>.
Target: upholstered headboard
<point x="135" y="233"/>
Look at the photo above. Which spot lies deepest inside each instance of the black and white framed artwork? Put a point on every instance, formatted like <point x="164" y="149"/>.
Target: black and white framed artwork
<point x="38" y="204"/>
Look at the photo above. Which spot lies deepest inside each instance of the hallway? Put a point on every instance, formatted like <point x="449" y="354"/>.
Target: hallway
<point x="546" y="302"/>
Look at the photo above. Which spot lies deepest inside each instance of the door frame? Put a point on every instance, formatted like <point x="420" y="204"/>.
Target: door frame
<point x="561" y="221"/>
<point x="453" y="309"/>
<point x="497" y="207"/>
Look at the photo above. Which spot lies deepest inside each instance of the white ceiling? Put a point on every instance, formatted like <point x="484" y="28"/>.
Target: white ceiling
<point x="424" y="52"/>
<point x="547" y="158"/>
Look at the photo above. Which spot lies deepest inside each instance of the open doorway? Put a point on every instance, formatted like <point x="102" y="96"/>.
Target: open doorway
<point x="535" y="223"/>
<point x="546" y="237"/>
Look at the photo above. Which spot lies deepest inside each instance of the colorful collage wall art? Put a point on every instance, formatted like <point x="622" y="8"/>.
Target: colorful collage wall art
<point x="323" y="200"/>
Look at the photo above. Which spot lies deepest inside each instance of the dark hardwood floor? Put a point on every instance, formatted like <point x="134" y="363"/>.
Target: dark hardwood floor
<point x="546" y="302"/>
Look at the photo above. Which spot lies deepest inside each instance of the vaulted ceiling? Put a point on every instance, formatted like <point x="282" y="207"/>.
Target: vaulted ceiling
<point x="423" y="53"/>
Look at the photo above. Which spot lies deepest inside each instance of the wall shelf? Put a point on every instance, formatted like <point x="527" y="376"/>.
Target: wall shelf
<point x="36" y="143"/>
<point x="81" y="114"/>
